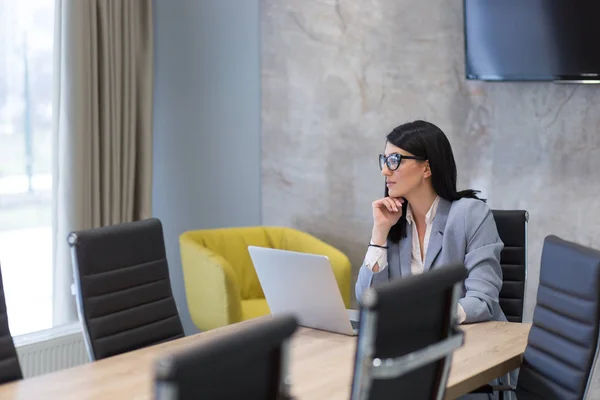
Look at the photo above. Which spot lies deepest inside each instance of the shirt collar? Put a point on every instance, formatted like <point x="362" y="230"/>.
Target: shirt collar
<point x="430" y="214"/>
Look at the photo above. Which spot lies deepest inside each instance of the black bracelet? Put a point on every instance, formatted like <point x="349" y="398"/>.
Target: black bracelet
<point x="376" y="245"/>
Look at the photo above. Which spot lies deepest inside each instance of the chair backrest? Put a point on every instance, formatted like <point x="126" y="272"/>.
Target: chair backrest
<point x="407" y="336"/>
<point x="232" y="244"/>
<point x="123" y="289"/>
<point x="10" y="369"/>
<point x="512" y="229"/>
<point x="250" y="362"/>
<point x="563" y="342"/>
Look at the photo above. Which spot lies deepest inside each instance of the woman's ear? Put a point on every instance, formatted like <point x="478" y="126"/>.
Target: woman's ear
<point x="427" y="173"/>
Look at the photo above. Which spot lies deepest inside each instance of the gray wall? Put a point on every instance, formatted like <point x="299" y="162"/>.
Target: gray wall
<point x="337" y="76"/>
<point x="206" y="121"/>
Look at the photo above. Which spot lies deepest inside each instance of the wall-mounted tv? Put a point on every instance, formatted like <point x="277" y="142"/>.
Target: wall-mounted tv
<point x="532" y="40"/>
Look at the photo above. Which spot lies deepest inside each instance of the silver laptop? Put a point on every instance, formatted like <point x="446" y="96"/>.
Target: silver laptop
<point x="304" y="285"/>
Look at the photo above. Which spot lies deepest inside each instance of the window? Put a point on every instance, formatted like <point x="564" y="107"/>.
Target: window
<point x="26" y="49"/>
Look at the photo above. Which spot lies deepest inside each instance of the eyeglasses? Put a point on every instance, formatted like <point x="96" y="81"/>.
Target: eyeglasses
<point x="393" y="160"/>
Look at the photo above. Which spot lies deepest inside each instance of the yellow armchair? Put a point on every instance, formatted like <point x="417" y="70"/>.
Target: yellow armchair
<point x="221" y="284"/>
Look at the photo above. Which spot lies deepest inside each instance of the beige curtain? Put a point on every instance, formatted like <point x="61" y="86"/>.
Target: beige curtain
<point x="103" y="124"/>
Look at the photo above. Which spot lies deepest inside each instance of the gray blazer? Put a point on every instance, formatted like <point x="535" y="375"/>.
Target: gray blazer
<point x="463" y="232"/>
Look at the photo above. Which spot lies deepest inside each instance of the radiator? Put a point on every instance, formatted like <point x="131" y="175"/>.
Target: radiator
<point x="51" y="350"/>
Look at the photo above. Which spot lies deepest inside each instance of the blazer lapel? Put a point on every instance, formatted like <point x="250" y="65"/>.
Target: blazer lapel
<point x="437" y="233"/>
<point x="405" y="250"/>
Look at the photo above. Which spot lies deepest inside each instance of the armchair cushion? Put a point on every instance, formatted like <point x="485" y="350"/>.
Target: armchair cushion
<point x="254" y="308"/>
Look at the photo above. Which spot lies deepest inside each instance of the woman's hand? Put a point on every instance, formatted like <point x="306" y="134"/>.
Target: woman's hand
<point x="386" y="213"/>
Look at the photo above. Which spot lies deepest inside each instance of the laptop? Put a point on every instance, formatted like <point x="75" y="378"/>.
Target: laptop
<point x="303" y="284"/>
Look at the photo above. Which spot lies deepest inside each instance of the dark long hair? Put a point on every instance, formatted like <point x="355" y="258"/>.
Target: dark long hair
<point x="426" y="140"/>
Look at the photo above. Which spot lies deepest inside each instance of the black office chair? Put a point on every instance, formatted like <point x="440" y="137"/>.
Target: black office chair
<point x="407" y="336"/>
<point x="123" y="289"/>
<point x="512" y="229"/>
<point x="10" y="369"/>
<point x="563" y="342"/>
<point x="248" y="363"/>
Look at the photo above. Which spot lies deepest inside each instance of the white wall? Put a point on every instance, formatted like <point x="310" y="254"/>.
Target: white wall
<point x="206" y="121"/>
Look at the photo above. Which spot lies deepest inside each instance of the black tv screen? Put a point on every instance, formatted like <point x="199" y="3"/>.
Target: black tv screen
<point x="532" y="40"/>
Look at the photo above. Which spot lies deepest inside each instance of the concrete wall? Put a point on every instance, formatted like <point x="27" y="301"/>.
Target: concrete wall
<point x="337" y="76"/>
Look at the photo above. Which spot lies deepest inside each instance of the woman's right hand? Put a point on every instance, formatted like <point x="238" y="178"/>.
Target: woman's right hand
<point x="386" y="213"/>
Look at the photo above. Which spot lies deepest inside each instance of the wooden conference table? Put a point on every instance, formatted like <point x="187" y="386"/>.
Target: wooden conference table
<point x="321" y="366"/>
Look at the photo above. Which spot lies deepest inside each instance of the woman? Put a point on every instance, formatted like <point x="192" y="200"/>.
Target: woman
<point x="423" y="222"/>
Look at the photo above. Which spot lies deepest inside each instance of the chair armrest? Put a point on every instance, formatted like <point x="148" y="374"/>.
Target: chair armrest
<point x="211" y="287"/>
<point x="342" y="270"/>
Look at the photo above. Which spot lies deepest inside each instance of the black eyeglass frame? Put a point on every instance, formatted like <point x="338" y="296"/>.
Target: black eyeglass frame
<point x="383" y="160"/>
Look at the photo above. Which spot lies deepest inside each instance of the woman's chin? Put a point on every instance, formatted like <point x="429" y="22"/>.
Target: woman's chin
<point x="396" y="193"/>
